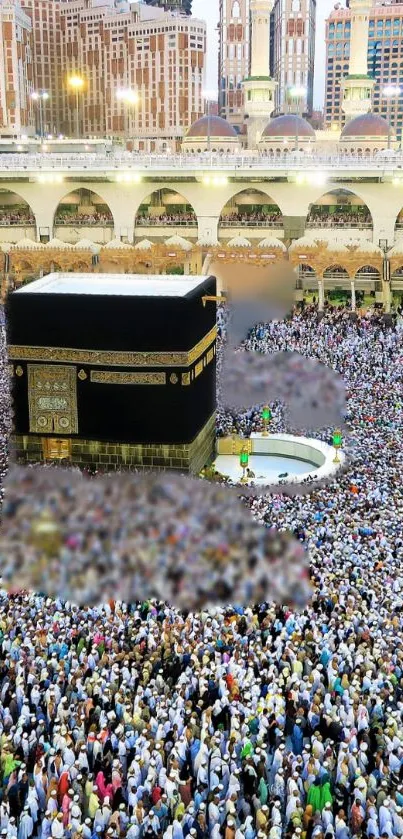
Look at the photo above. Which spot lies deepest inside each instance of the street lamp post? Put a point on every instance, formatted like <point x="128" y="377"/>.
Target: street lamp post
<point x="266" y="417"/>
<point x="129" y="98"/>
<point x="337" y="441"/>
<point x="391" y="91"/>
<point x="40" y="96"/>
<point x="76" y="83"/>
<point x="297" y="92"/>
<point x="244" y="462"/>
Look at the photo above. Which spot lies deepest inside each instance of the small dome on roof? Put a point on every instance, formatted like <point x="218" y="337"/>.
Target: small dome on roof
<point x="212" y="126"/>
<point x="289" y="125"/>
<point x="366" y="125"/>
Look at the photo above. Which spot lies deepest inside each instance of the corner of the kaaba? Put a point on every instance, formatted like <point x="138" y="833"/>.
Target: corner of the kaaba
<point x="113" y="381"/>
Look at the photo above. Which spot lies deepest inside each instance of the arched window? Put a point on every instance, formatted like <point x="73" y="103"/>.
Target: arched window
<point x="236" y="10"/>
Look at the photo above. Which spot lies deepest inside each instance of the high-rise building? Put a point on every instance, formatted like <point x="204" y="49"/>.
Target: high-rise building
<point x="138" y="70"/>
<point x="156" y="55"/>
<point x="233" y="58"/>
<point x="16" y="71"/>
<point x="384" y="62"/>
<point x="47" y="63"/>
<point x="294" y="51"/>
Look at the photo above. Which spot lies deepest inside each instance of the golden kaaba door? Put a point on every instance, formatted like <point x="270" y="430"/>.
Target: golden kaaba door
<point x="52" y="397"/>
<point x="56" y="449"/>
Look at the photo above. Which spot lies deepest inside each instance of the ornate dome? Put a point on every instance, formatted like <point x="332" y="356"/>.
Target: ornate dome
<point x="213" y="126"/>
<point x="289" y="125"/>
<point x="366" y="125"/>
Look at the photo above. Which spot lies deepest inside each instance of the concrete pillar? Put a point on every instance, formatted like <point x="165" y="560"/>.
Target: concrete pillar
<point x="321" y="295"/>
<point x="387" y="297"/>
<point x="384" y="228"/>
<point x="208" y="229"/>
<point x="353" y="299"/>
<point x="123" y="228"/>
<point x="44" y="223"/>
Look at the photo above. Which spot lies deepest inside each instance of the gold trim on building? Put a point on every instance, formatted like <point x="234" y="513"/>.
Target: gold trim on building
<point x="52" y="399"/>
<point x="185" y="378"/>
<point x="111" y="358"/>
<point x="198" y="368"/>
<point x="108" y="377"/>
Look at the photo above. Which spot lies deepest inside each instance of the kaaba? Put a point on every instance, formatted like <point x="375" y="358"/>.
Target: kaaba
<point x="112" y="371"/>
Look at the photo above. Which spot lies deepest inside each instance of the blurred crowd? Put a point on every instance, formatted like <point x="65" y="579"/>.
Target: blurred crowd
<point x="83" y="219"/>
<point x="17" y="216"/>
<point x="236" y="219"/>
<point x="339" y="219"/>
<point x="241" y="722"/>
<point x="161" y="219"/>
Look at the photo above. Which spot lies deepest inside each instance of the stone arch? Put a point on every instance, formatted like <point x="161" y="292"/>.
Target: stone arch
<point x="399" y="220"/>
<point x="86" y="208"/>
<point x="364" y="270"/>
<point x="335" y="271"/>
<point x="165" y="206"/>
<point x="15" y="213"/>
<point x="318" y="216"/>
<point x="305" y="271"/>
<point x="263" y="211"/>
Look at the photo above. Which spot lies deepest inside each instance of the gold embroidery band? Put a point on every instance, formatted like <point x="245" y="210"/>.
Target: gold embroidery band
<point x="52" y="399"/>
<point x="107" y="377"/>
<point x="108" y="358"/>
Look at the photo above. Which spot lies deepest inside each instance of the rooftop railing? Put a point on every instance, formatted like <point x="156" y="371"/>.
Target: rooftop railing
<point x="138" y="163"/>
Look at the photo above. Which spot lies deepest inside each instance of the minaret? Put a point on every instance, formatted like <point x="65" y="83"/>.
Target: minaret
<point x="259" y="87"/>
<point x="358" y="86"/>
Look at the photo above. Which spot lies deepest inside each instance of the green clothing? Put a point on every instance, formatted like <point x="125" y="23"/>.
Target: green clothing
<point x="263" y="792"/>
<point x="325" y="795"/>
<point x="315" y="798"/>
<point x="10" y="763"/>
<point x="247" y="750"/>
<point x="253" y="726"/>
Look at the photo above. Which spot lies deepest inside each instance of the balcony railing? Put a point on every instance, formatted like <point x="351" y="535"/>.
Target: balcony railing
<point x="144" y="221"/>
<point x="250" y="223"/>
<point x="22" y="222"/>
<point x="67" y="222"/>
<point x="139" y="162"/>
<point x="329" y="225"/>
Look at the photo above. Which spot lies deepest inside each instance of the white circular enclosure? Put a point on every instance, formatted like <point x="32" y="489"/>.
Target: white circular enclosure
<point x="280" y="457"/>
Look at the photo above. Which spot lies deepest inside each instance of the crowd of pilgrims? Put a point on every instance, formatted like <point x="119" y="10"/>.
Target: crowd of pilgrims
<point x="339" y="219"/>
<point x="246" y="722"/>
<point x="173" y="219"/>
<point x="17" y="215"/>
<point x="83" y="219"/>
